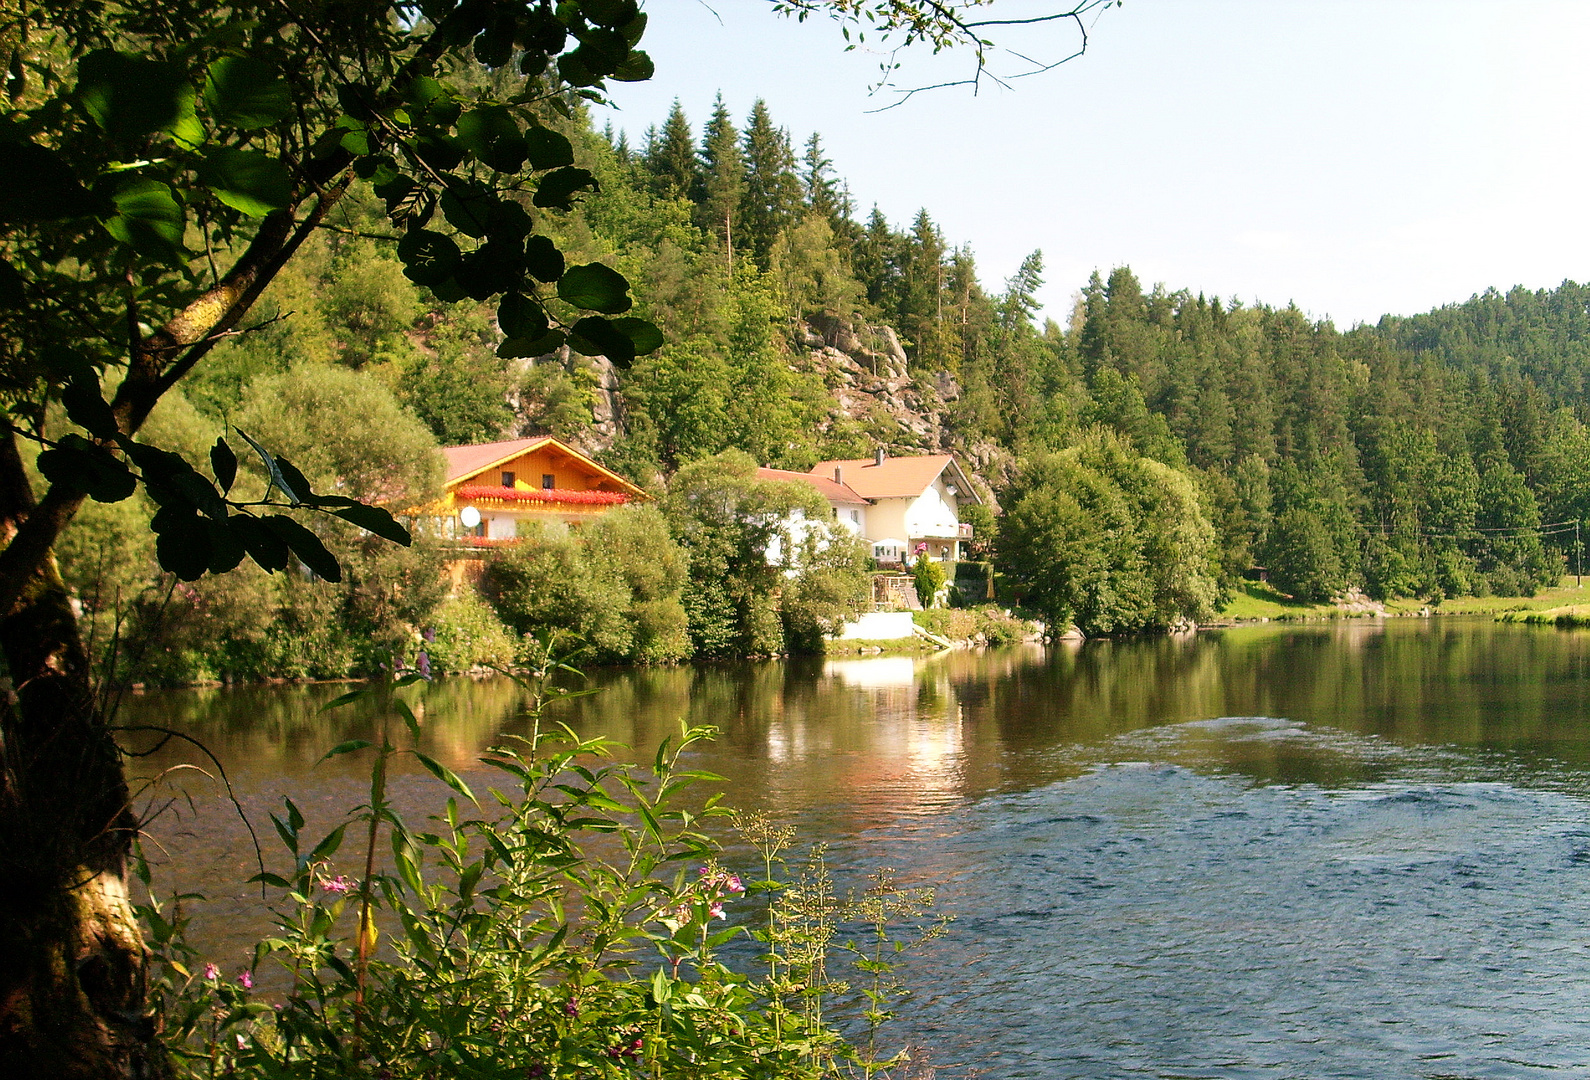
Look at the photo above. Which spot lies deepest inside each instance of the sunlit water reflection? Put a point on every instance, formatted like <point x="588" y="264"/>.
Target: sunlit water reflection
<point x="1350" y="850"/>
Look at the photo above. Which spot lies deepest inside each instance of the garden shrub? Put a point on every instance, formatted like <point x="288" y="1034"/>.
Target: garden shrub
<point x="466" y="634"/>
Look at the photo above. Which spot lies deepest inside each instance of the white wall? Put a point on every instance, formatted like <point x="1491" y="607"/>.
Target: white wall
<point x="878" y="626"/>
<point x="933" y="513"/>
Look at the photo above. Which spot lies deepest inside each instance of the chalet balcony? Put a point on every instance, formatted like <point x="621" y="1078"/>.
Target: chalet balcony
<point x="963" y="531"/>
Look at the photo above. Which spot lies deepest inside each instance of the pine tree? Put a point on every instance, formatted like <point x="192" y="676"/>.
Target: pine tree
<point x="772" y="193"/>
<point x="723" y="178"/>
<point x="671" y="157"/>
<point x="922" y="278"/>
<point x="823" y="195"/>
<point x="875" y="264"/>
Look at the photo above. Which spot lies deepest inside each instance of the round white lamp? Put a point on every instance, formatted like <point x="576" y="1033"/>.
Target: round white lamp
<point x="469" y="517"/>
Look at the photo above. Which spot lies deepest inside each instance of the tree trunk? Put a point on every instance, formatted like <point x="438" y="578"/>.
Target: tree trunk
<point x="72" y="959"/>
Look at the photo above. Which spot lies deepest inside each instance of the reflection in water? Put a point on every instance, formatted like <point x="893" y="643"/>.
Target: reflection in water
<point x="1247" y="852"/>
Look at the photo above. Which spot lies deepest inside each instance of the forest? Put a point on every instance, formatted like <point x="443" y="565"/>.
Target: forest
<point x="1145" y="456"/>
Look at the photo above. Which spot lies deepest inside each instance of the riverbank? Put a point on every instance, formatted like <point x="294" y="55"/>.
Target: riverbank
<point x="1259" y="602"/>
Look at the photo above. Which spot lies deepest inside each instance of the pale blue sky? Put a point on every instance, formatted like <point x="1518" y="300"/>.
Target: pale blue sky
<point x="1353" y="157"/>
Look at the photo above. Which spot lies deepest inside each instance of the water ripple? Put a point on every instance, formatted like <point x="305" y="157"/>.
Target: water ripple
<point x="1147" y="918"/>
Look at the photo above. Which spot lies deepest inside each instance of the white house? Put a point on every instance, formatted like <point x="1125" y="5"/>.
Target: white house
<point x="901" y="504"/>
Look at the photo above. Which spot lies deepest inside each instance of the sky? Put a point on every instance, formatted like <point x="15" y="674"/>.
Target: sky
<point x="1354" y="158"/>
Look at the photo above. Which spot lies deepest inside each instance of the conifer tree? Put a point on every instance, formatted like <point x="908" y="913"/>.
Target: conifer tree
<point x="874" y="261"/>
<point x="671" y="157"/>
<point x="823" y="195"/>
<point x="772" y="193"/>
<point x="722" y="180"/>
<point x="922" y="308"/>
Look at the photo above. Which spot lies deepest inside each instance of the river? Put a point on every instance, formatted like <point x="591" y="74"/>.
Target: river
<point x="1351" y="849"/>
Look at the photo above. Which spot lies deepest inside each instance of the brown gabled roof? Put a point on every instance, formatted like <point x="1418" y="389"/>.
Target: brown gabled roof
<point x="464" y="462"/>
<point x="898" y="477"/>
<point x="834" y="493"/>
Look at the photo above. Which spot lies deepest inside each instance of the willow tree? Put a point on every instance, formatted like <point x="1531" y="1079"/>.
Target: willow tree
<point x="164" y="159"/>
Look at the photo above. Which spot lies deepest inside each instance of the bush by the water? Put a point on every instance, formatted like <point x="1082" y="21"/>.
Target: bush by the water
<point x="576" y="926"/>
<point x="984" y="625"/>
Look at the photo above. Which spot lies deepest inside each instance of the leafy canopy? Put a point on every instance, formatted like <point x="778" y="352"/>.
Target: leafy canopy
<point x="167" y="158"/>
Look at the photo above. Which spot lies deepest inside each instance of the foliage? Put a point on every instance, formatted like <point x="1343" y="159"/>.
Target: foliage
<point x="176" y="159"/>
<point x="744" y="539"/>
<point x="466" y="634"/>
<point x="984" y="624"/>
<point x="614" y="584"/>
<point x="831" y="585"/>
<point x="1098" y="536"/>
<point x="927" y="577"/>
<point x="568" y="930"/>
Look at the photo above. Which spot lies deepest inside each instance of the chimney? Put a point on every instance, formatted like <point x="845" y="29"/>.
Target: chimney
<point x="877" y="456"/>
<point x="839" y="475"/>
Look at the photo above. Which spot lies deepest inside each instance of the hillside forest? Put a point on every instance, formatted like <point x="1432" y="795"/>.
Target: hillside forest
<point x="1143" y="457"/>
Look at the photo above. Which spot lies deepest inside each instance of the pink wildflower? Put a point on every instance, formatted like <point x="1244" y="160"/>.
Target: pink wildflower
<point x="338" y="884"/>
<point x="246" y="980"/>
<point x="211" y="972"/>
<point x="734" y="884"/>
<point x="716" y="910"/>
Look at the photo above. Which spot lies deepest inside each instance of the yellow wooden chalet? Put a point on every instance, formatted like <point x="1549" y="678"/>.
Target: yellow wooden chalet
<point x="492" y="487"/>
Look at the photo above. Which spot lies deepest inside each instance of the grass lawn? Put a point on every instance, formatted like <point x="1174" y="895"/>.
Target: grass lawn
<point x="1255" y="600"/>
<point x="1566" y="594"/>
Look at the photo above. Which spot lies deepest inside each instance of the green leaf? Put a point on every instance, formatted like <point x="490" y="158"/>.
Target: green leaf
<point x="347" y="699"/>
<point x="376" y="520"/>
<point x="129" y="96"/>
<point x="245" y="93"/>
<point x="446" y="776"/>
<point x="491" y="134"/>
<point x="643" y="335"/>
<point x="430" y="104"/>
<point x="609" y="12"/>
<point x="547" y="149"/>
<point x="345" y="748"/>
<point x="297" y="482"/>
<point x="40" y="186"/>
<point x="262" y="545"/>
<point x="596" y="288"/>
<point x="490" y="269"/>
<point x="246" y="180"/>
<point x="306" y="545"/>
<point x="87" y="467"/>
<point x="269" y="461"/>
<point x="521" y="317"/>
<point x="182" y="542"/>
<point x="226" y="548"/>
<point x="514" y="348"/>
<point x="596" y="336"/>
<point x="223" y="464"/>
<point x="411" y="721"/>
<point x="468" y="208"/>
<point x="543" y="259"/>
<point x="148" y="218"/>
<point x="87" y="408"/>
<point x="556" y="190"/>
<point x="637" y="67"/>
<point x="328" y="847"/>
<point x="429" y="258"/>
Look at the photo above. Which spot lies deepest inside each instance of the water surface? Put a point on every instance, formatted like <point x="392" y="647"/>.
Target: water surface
<point x="1358" y="849"/>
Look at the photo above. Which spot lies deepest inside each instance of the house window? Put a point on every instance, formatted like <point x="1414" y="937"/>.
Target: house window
<point x="548" y="481"/>
<point x="507" y="479"/>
